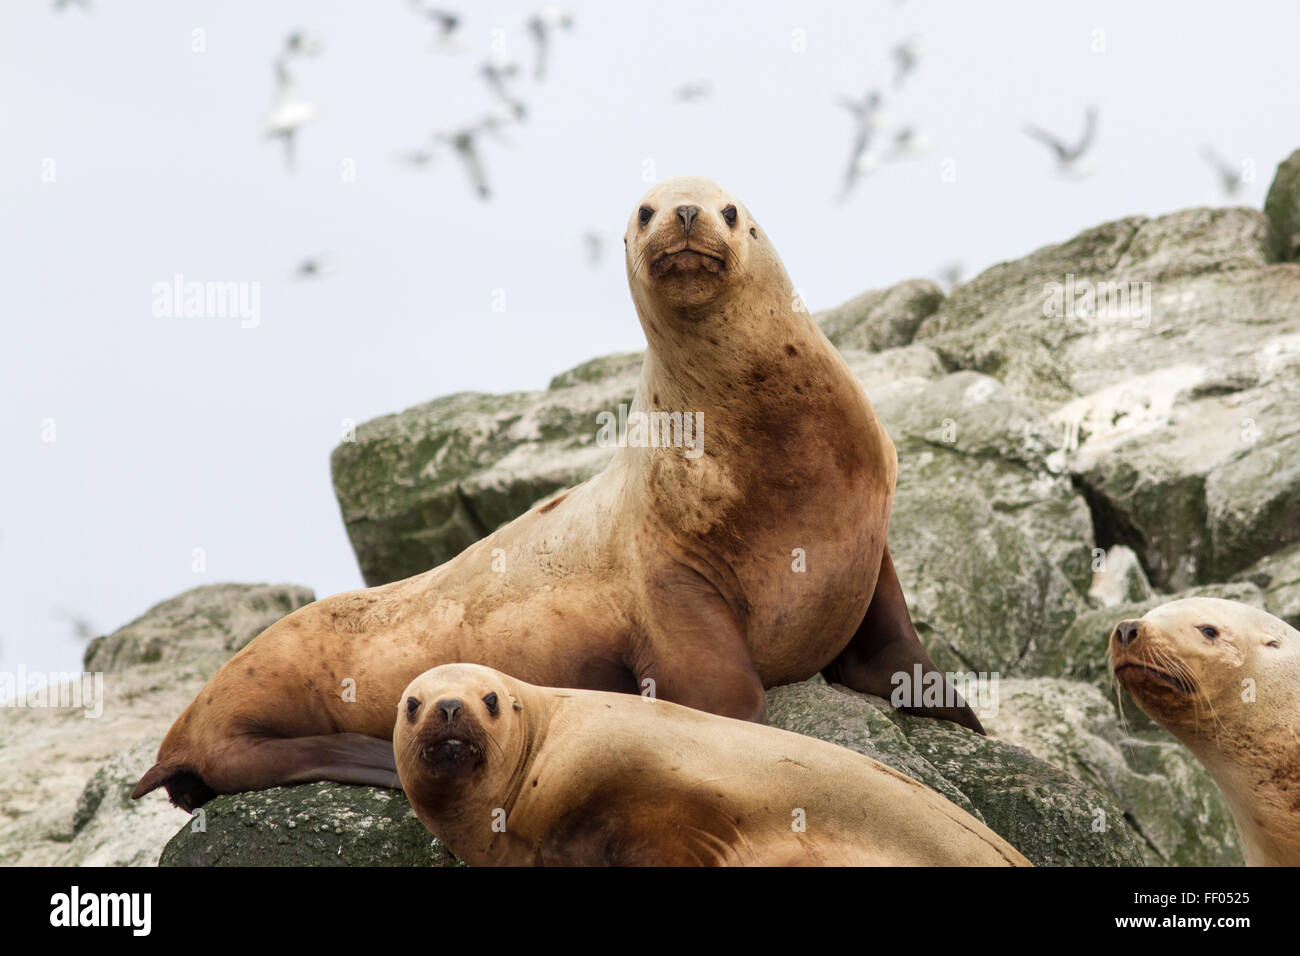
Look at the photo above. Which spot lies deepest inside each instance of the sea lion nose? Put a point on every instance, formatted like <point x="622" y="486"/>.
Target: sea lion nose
<point x="687" y="215"/>
<point x="449" y="706"/>
<point x="1125" y="631"/>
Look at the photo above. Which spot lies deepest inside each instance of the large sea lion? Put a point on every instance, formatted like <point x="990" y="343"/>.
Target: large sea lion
<point x="509" y="774"/>
<point x="751" y="556"/>
<point x="1224" y="678"/>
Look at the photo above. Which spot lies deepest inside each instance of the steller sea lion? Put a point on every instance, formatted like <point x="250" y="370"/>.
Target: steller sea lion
<point x="756" y="556"/>
<point x="509" y="774"/>
<point x="1224" y="678"/>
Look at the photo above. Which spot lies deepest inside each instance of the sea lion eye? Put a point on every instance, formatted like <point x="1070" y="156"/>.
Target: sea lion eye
<point x="645" y="214"/>
<point x="412" y="705"/>
<point x="729" y="214"/>
<point x="491" y="701"/>
<point x="1208" y="630"/>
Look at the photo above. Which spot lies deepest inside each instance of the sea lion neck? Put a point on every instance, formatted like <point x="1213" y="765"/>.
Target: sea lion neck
<point x="703" y="359"/>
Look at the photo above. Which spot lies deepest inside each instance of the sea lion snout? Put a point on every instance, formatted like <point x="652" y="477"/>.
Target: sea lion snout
<point x="1126" y="631"/>
<point x="449" y="706"/>
<point x="687" y="213"/>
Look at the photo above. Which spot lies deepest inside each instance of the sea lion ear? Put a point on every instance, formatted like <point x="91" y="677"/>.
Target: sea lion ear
<point x="515" y="703"/>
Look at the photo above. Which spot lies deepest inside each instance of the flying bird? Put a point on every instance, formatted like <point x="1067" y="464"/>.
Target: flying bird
<point x="81" y="627"/>
<point x="1230" y="180"/>
<point x="949" y="274"/>
<point x="905" y="56"/>
<point x="449" y="33"/>
<point x="542" y="26"/>
<point x="288" y="113"/>
<point x="421" y="157"/>
<point x="303" y="43"/>
<point x="1068" y="158"/>
<point x="594" y="241"/>
<point x="907" y="143"/>
<point x="464" y="141"/>
<point x="317" y="267"/>
<point x="865" y="114"/>
<point x="690" y="92"/>
<point x="497" y="70"/>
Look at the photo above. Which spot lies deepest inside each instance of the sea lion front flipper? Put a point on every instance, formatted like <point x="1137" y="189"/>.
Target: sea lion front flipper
<point x="696" y="653"/>
<point x="885" y="644"/>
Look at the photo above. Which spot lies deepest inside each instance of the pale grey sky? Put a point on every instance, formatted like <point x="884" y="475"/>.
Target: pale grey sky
<point x="173" y="434"/>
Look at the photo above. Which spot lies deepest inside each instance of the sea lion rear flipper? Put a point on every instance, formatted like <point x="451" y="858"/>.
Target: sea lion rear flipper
<point x="885" y="644"/>
<point x="261" y="763"/>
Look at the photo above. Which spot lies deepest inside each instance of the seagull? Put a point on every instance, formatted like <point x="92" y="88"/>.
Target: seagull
<point x="1229" y="175"/>
<point x="464" y="141"/>
<point x="303" y="43"/>
<point x="288" y="113"/>
<point x="61" y="5"/>
<point x="450" y="35"/>
<point x="594" y="240"/>
<point x="864" y="114"/>
<point x="690" y="92"/>
<point x="905" y="55"/>
<point x="1068" y="157"/>
<point x="499" y="68"/>
<point x="418" y="158"/>
<point x="950" y="274"/>
<point x="317" y="267"/>
<point x="82" y="629"/>
<point x="907" y="143"/>
<point x="542" y="26"/>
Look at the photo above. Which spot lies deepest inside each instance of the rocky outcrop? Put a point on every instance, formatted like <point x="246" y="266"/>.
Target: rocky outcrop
<point x="1282" y="206"/>
<point x="68" y="776"/>
<point x="316" y="824"/>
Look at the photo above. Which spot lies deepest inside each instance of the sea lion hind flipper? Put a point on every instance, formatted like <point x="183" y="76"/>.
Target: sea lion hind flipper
<point x="341" y="758"/>
<point x="258" y="764"/>
<point x="886" y="644"/>
<point x="185" y="788"/>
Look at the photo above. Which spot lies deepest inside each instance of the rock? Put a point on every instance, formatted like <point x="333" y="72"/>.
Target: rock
<point x="315" y="824"/>
<point x="1041" y="810"/>
<point x="973" y="468"/>
<point x="881" y="318"/>
<point x="1278" y="576"/>
<point x="1211" y="283"/>
<point x="1163" y="792"/>
<point x="1172" y="391"/>
<point x="214" y="618"/>
<point x="1118" y="578"/>
<point x="67" y="774"/>
<point x="111" y="829"/>
<point x="622" y="365"/>
<point x="419" y="487"/>
<point x="1282" y="206"/>
<point x="1210" y="484"/>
